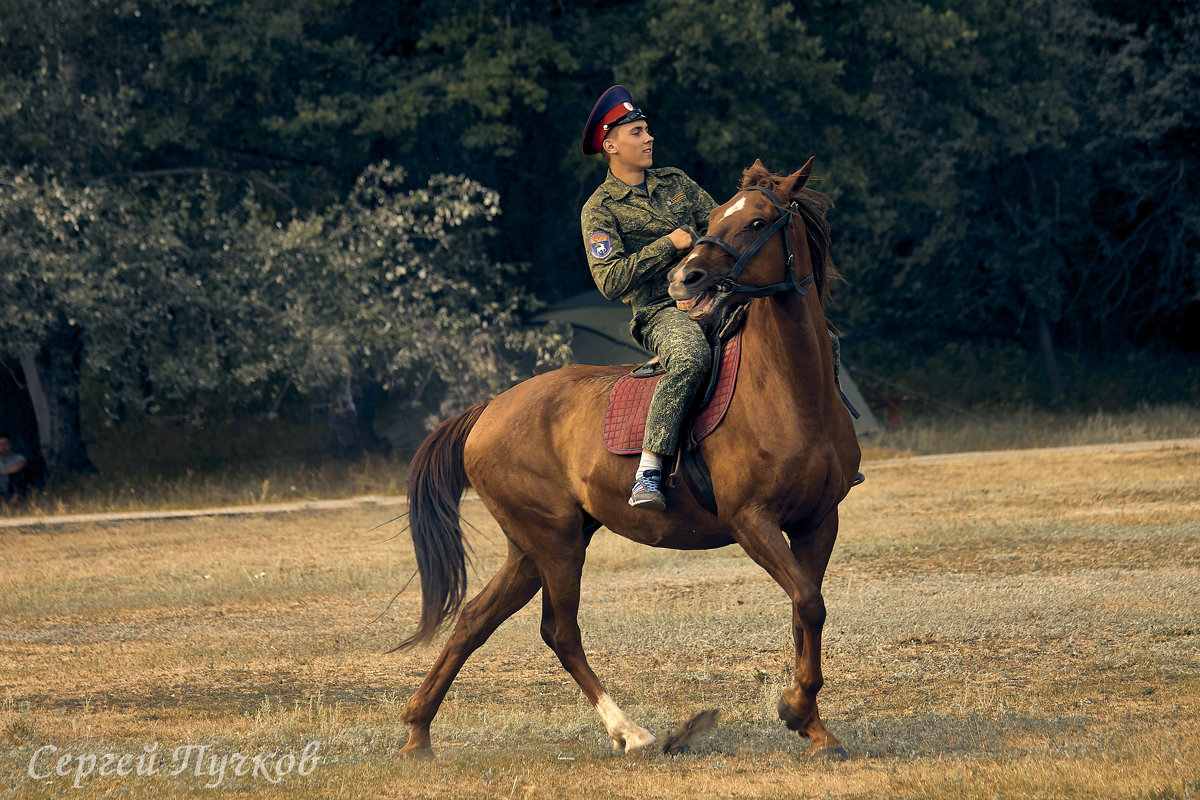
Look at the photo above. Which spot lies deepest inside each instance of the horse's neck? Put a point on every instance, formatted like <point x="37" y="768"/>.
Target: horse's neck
<point x="786" y="342"/>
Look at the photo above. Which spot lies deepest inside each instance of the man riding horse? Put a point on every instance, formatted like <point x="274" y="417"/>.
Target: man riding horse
<point x="637" y="226"/>
<point x="781" y="460"/>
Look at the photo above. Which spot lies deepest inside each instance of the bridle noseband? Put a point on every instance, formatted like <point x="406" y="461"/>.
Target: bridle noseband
<point x="729" y="283"/>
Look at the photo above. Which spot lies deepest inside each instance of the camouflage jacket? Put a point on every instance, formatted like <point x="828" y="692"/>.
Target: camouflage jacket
<point x="625" y="234"/>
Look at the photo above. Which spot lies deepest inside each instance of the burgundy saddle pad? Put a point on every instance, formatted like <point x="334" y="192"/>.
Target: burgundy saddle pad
<point x="629" y="403"/>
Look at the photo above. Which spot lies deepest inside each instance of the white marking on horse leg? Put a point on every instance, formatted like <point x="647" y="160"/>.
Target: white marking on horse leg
<point x="736" y="207"/>
<point x="621" y="728"/>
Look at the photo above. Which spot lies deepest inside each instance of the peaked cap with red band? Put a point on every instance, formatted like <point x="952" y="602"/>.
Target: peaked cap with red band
<point x="615" y="107"/>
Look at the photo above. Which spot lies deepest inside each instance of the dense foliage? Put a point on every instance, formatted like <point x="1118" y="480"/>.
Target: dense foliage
<point x="199" y="207"/>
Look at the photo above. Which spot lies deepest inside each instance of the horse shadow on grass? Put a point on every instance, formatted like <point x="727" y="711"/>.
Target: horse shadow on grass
<point x="927" y="735"/>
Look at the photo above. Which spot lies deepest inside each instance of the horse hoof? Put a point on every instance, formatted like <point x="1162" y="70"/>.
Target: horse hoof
<point x="829" y="752"/>
<point x="678" y="742"/>
<point x="416" y="753"/>
<point x="641" y="749"/>
<point x="638" y="742"/>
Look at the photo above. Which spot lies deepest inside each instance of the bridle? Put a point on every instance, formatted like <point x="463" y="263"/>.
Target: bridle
<point x="729" y="283"/>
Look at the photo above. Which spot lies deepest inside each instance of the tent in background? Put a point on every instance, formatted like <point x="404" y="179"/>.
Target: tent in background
<point x="599" y="327"/>
<point x="600" y="335"/>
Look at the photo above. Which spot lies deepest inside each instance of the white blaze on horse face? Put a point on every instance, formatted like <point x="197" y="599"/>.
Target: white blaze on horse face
<point x="621" y="728"/>
<point x="733" y="209"/>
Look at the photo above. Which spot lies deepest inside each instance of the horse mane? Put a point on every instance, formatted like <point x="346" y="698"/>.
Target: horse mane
<point x="813" y="206"/>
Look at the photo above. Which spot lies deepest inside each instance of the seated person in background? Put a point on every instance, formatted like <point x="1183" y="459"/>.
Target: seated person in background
<point x="10" y="464"/>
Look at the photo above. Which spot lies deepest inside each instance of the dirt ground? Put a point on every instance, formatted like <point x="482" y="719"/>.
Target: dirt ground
<point x="1020" y="625"/>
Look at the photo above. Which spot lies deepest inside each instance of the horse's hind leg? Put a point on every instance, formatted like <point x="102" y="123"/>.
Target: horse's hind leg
<point x="506" y="593"/>
<point x="801" y="579"/>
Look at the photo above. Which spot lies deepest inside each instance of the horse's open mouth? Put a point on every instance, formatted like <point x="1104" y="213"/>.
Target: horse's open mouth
<point x="700" y="306"/>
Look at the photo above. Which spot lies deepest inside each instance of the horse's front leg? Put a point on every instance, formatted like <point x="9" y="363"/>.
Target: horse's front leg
<point x="811" y="549"/>
<point x="795" y="569"/>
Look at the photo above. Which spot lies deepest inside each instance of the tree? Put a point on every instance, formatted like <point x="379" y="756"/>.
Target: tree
<point x="1020" y="170"/>
<point x="180" y="296"/>
<point x="1135" y="241"/>
<point x="393" y="287"/>
<point x="61" y="270"/>
<point x="1082" y="226"/>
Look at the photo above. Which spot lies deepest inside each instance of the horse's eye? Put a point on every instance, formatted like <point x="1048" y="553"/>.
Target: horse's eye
<point x="758" y="223"/>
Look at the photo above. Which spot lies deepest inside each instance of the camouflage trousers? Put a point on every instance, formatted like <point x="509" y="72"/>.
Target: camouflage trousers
<point x="686" y="355"/>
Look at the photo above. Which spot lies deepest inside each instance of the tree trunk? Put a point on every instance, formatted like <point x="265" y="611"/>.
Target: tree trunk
<point x="59" y="367"/>
<point x="352" y="425"/>
<point x="37" y="396"/>
<point x="373" y="396"/>
<point x="1054" y="383"/>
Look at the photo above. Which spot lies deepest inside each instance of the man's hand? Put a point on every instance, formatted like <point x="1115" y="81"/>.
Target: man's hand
<point x="682" y="238"/>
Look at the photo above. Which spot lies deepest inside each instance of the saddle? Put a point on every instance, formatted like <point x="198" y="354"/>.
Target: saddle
<point x="629" y="402"/>
<point x="629" y="405"/>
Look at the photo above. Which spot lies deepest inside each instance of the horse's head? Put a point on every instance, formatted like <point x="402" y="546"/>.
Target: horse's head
<point x="770" y="237"/>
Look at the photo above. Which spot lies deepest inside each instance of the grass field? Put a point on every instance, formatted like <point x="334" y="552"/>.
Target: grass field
<point x="172" y="468"/>
<point x="1022" y="625"/>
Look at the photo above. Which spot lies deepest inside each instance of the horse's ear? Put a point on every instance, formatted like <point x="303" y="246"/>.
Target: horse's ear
<point x="793" y="183"/>
<point x="752" y="173"/>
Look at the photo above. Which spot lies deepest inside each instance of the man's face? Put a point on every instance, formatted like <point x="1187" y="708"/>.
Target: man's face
<point x="632" y="145"/>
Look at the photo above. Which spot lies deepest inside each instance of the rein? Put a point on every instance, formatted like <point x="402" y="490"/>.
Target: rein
<point x="729" y="282"/>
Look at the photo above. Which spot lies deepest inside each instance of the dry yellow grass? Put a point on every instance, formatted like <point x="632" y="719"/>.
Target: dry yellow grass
<point x="1022" y="625"/>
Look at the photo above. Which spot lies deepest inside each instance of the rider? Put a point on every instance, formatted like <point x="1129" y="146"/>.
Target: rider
<point x="637" y="226"/>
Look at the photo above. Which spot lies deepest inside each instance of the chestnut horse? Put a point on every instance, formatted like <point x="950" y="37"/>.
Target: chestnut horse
<point x="783" y="458"/>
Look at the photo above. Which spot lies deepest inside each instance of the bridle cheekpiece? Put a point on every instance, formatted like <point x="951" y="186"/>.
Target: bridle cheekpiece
<point x="729" y="283"/>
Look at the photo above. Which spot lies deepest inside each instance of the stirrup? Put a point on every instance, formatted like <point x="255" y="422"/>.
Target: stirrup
<point x="649" y="369"/>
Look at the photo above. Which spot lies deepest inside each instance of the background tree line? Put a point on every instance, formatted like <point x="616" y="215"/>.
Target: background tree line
<point x="229" y="203"/>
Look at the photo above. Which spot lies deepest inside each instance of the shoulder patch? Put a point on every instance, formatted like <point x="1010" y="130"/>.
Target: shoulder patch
<point x="599" y="244"/>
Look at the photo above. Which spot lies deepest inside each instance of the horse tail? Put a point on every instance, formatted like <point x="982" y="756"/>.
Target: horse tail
<point x="436" y="480"/>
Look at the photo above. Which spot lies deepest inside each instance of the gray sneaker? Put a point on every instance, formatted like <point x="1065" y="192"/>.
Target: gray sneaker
<point x="646" y="493"/>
